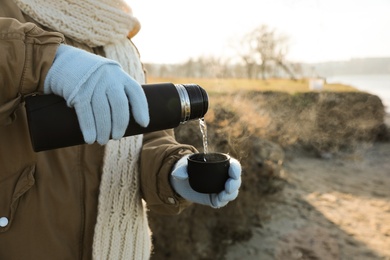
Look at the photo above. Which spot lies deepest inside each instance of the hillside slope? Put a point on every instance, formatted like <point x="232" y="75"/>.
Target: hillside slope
<point x="315" y="180"/>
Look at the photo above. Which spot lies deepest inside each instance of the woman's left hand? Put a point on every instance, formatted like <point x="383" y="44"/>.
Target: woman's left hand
<point x="180" y="183"/>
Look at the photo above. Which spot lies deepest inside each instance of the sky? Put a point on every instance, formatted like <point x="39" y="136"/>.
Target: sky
<point x="172" y="31"/>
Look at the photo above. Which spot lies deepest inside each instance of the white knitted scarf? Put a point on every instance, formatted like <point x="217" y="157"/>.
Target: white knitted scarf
<point x="121" y="230"/>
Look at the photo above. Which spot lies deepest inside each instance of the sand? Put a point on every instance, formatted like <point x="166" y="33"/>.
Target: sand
<point x="335" y="208"/>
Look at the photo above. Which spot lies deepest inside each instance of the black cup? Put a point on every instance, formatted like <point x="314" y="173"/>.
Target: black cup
<point x="208" y="173"/>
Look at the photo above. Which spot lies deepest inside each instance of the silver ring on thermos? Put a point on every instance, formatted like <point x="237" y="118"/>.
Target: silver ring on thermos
<point x="185" y="103"/>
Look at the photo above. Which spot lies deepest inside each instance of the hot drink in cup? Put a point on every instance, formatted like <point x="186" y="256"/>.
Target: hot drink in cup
<point x="208" y="172"/>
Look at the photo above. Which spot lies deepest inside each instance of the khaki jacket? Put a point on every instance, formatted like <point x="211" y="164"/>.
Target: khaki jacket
<point x="50" y="198"/>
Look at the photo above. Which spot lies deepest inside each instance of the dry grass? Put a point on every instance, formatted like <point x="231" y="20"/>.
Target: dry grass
<point x="290" y="114"/>
<point x="214" y="85"/>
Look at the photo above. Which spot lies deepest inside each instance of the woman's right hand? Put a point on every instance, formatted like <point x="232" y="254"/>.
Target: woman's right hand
<point x="101" y="92"/>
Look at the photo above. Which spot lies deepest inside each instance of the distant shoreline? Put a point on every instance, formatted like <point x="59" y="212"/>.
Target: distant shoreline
<point x="356" y="66"/>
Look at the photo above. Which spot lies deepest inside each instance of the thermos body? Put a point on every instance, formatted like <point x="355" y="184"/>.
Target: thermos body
<point x="52" y="124"/>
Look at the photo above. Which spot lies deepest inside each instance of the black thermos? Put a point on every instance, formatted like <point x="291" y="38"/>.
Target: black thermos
<point x="52" y="124"/>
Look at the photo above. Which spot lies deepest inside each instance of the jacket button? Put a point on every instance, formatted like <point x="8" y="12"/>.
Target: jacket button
<point x="171" y="200"/>
<point x="3" y="222"/>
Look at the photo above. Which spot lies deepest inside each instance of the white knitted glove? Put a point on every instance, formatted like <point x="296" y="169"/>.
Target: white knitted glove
<point x="99" y="90"/>
<point x="180" y="183"/>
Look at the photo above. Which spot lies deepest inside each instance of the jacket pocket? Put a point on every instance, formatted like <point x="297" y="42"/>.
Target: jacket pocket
<point x="7" y="111"/>
<point x="12" y="188"/>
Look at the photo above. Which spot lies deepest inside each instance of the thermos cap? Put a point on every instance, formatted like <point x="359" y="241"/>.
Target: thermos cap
<point x="194" y="100"/>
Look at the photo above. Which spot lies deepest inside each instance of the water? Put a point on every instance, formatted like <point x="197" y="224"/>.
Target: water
<point x="203" y="130"/>
<point x="377" y="84"/>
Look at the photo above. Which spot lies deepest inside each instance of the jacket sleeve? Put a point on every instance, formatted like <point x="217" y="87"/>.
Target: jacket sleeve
<point x="26" y="54"/>
<point x="159" y="154"/>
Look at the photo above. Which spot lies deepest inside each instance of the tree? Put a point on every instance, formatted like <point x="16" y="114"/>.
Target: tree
<point x="262" y="49"/>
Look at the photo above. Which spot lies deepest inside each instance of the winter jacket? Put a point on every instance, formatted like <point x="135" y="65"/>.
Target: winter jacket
<point x="48" y="200"/>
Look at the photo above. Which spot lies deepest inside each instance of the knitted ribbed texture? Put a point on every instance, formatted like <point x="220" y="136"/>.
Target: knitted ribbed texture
<point x="94" y="23"/>
<point x="121" y="222"/>
<point x="121" y="231"/>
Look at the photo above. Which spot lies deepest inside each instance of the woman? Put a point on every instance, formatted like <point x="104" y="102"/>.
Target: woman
<point x="84" y="201"/>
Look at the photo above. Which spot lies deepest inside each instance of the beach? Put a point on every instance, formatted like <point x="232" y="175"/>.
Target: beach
<point x="331" y="209"/>
<point x="334" y="208"/>
<point x="316" y="178"/>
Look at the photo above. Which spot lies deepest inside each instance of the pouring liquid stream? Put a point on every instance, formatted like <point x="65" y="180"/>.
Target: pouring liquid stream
<point x="203" y="130"/>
